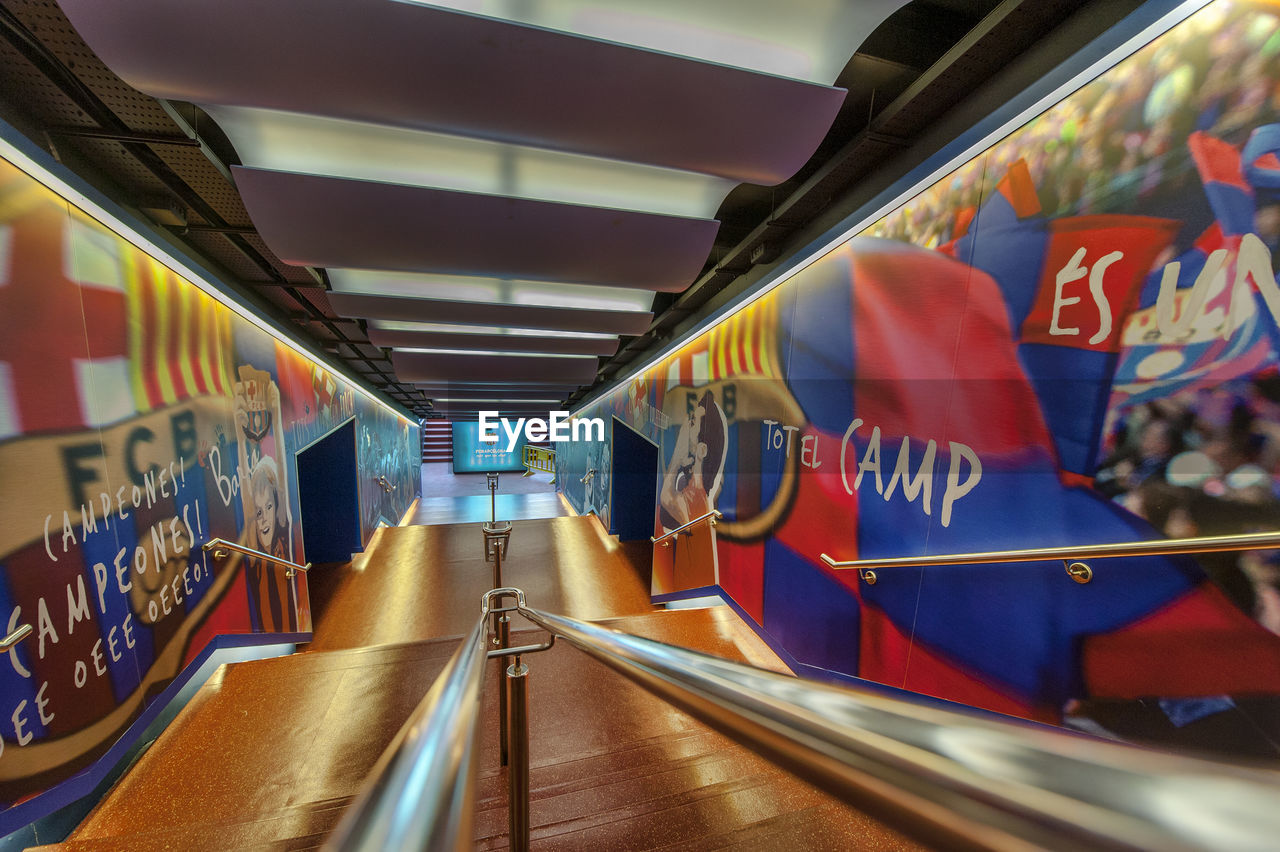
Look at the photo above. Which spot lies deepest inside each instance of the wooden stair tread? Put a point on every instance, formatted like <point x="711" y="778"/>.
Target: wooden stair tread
<point x="297" y="827"/>
<point x="270" y="737"/>
<point x="613" y="767"/>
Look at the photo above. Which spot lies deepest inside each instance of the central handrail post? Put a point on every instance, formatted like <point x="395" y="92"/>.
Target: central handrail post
<point x="503" y="640"/>
<point x="497" y="567"/>
<point x="517" y="716"/>
<point x="492" y="478"/>
<point x="496" y="540"/>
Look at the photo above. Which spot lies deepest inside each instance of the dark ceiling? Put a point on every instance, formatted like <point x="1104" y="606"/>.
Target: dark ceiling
<point x="168" y="159"/>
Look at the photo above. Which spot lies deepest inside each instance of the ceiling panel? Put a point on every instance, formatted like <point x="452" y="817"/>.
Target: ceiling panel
<point x="802" y="39"/>
<point x="311" y="220"/>
<point x="522" y="409"/>
<point x="501" y="342"/>
<point x="482" y="313"/>
<point x="310" y="144"/>
<point x="449" y="328"/>
<point x="473" y="288"/>
<point x="506" y="392"/>
<point x="438" y="69"/>
<point x="446" y="387"/>
<point x="447" y="366"/>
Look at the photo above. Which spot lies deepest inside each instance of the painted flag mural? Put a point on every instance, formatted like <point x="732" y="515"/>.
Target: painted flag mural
<point x="1071" y="338"/>
<point x="139" y="418"/>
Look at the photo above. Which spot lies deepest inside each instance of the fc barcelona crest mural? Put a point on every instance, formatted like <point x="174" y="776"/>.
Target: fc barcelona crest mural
<point x="140" y="418"/>
<point x="1072" y="338"/>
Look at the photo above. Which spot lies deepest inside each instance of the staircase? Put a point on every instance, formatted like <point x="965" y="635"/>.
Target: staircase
<point x="612" y="767"/>
<point x="437" y="441"/>
<point x="270" y="753"/>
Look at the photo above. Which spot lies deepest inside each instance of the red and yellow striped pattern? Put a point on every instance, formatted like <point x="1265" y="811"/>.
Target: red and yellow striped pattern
<point x="746" y="344"/>
<point x="179" y="337"/>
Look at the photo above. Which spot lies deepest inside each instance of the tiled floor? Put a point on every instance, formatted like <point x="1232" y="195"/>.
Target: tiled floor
<point x="464" y="498"/>
<point x="438" y="480"/>
<point x="477" y="509"/>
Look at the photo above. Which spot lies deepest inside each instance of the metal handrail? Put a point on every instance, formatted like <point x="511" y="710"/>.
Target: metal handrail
<point x="962" y="780"/>
<point x="8" y="642"/>
<point x="713" y="514"/>
<point x="220" y="544"/>
<point x="421" y="793"/>
<point x="955" y="778"/>
<point x="1164" y="547"/>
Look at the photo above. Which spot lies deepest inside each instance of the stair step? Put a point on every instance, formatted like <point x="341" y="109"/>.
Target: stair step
<point x="292" y="828"/>
<point x="437" y="440"/>
<point x="613" y="767"/>
<point x="268" y="754"/>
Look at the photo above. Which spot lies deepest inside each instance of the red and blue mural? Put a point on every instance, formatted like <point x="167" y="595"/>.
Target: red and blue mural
<point x="1070" y="339"/>
<point x="140" y="418"/>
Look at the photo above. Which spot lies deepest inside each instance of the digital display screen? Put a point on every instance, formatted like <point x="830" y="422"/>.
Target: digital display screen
<point x="471" y="455"/>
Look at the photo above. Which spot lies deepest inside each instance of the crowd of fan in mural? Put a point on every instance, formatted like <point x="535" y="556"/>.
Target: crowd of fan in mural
<point x="1205" y="463"/>
<point x="1119" y="143"/>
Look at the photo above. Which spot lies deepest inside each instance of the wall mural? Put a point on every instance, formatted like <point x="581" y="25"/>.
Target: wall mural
<point x="140" y="418"/>
<point x="1074" y="337"/>
<point x="587" y="493"/>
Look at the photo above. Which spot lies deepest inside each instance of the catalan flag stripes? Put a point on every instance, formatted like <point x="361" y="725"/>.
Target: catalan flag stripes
<point x="746" y="343"/>
<point x="179" y="341"/>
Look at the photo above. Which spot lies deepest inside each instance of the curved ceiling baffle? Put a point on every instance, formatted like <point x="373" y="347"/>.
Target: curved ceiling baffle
<point x="497" y="187"/>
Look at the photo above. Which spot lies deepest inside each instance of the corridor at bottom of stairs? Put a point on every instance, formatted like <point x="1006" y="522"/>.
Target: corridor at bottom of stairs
<point x="270" y="753"/>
